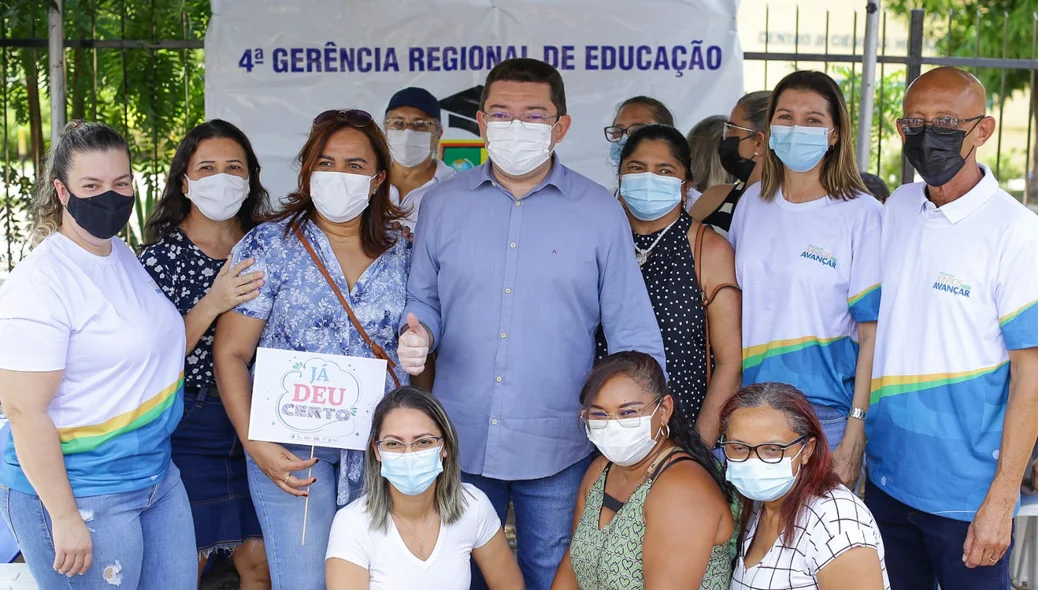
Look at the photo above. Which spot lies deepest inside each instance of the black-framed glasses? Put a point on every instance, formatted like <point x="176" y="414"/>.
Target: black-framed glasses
<point x="737" y="452"/>
<point x="418" y="125"/>
<point x="392" y="445"/>
<point x="729" y="127"/>
<point x="614" y="133"/>
<point x="940" y="125"/>
<point x="355" y="117"/>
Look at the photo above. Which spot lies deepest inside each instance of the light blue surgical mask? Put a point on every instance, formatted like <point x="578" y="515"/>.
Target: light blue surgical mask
<point x="762" y="481"/>
<point x="614" y="150"/>
<point x="800" y="148"/>
<point x="412" y="473"/>
<point x="650" y="196"/>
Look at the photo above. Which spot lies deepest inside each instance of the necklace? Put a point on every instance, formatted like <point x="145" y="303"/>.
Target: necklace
<point x="421" y="541"/>
<point x="643" y="255"/>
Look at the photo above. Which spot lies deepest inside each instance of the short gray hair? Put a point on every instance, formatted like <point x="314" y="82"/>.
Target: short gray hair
<point x="450" y="502"/>
<point x="703" y="140"/>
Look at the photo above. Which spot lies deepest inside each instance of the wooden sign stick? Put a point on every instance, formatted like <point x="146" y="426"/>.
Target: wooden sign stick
<point x="306" y="507"/>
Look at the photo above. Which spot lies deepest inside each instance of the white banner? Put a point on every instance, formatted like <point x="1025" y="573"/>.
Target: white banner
<point x="272" y="65"/>
<point x="307" y="398"/>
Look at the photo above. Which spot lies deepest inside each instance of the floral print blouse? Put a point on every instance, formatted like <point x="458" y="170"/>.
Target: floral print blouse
<point x="303" y="313"/>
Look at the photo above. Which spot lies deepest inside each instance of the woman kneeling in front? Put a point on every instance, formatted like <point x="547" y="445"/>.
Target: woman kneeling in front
<point x="417" y="524"/>
<point x="652" y="513"/>
<point x="803" y="528"/>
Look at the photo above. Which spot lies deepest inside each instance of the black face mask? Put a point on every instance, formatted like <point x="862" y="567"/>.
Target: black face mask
<point x="732" y="162"/>
<point x="936" y="156"/>
<point x="103" y="215"/>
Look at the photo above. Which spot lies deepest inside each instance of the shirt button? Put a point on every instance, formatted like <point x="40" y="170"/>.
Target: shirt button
<point x="503" y="335"/>
<point x="499" y="379"/>
<point x="494" y="422"/>
<point x="512" y="245"/>
<point x="518" y="203"/>
<point x="508" y="291"/>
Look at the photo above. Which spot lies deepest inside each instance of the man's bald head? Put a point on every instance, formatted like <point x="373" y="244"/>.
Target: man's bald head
<point x="945" y="92"/>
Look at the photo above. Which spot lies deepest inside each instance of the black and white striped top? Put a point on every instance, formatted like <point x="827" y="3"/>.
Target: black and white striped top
<point x="721" y="218"/>
<point x="828" y="526"/>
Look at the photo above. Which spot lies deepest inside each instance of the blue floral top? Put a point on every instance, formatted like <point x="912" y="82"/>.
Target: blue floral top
<point x="303" y="313"/>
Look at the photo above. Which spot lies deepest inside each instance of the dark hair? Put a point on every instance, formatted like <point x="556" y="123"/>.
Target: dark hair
<point x="380" y="212"/>
<point x="674" y="139"/>
<point x="449" y="502"/>
<point x="660" y="113"/>
<point x="755" y="106"/>
<point x="839" y="174"/>
<point x="647" y="374"/>
<point x="814" y="479"/>
<point x="78" y="137"/>
<point x="876" y="186"/>
<point x="703" y="140"/>
<point x="173" y="206"/>
<point x="523" y="69"/>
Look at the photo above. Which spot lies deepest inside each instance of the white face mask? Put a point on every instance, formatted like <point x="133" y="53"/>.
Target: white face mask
<point x="340" y="196"/>
<point x="517" y="148"/>
<point x="621" y="445"/>
<point x="410" y="148"/>
<point x="218" y="197"/>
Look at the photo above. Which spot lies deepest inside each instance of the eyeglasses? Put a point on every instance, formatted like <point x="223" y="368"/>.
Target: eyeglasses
<point x="940" y="125"/>
<point x="527" y="120"/>
<point x="614" y="133"/>
<point x="419" y="125"/>
<point x="391" y="445"/>
<point x="729" y="127"/>
<point x="737" y="452"/>
<point x="627" y="417"/>
<point x="354" y="117"/>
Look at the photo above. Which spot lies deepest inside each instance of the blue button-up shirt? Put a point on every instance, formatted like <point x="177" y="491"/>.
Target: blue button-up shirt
<point x="513" y="291"/>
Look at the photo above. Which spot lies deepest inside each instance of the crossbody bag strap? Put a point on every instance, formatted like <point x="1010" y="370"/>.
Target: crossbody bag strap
<point x="708" y="298"/>
<point x="378" y="350"/>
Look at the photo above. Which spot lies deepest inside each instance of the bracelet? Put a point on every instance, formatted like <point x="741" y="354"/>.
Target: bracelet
<point x="857" y="414"/>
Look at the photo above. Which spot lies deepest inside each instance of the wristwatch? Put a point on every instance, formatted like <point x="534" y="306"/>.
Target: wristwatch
<point x="857" y="414"/>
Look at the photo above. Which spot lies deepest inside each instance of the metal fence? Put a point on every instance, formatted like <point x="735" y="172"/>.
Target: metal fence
<point x="139" y="67"/>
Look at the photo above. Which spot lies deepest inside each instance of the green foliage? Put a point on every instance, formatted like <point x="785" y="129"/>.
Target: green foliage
<point x="152" y="96"/>
<point x="885" y="152"/>
<point x="953" y="24"/>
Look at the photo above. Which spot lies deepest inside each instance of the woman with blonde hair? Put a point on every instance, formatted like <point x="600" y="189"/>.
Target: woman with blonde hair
<point x="807" y="259"/>
<point x="417" y="526"/>
<point x="91" y="377"/>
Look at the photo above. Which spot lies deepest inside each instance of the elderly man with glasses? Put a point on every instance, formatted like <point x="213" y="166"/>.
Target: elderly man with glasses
<point x="954" y="408"/>
<point x="413" y="130"/>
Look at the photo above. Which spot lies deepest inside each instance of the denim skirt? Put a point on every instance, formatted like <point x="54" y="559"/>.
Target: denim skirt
<point x="212" y="464"/>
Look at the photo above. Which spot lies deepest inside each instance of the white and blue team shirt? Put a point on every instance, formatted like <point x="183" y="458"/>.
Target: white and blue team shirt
<point x="809" y="273"/>
<point x="960" y="283"/>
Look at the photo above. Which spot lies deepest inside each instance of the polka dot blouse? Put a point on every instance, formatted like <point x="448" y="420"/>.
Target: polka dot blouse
<point x="670" y="278"/>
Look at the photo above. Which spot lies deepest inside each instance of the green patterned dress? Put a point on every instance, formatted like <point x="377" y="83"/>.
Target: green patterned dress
<point x="611" y="558"/>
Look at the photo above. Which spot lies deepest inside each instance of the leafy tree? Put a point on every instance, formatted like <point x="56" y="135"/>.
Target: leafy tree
<point x="953" y="25"/>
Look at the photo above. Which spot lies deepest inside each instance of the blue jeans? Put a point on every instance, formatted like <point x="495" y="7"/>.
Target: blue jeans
<point x="293" y="565"/>
<point x="543" y="519"/>
<point x="139" y="538"/>
<point x="834" y="424"/>
<point x="925" y="549"/>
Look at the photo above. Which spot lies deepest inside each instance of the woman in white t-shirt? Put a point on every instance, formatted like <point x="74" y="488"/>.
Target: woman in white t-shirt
<point x="417" y="526"/>
<point x="801" y="527"/>
<point x="91" y="377"/>
<point x="807" y="260"/>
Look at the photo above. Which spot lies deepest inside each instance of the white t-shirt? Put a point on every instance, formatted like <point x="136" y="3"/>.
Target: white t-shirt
<point x="960" y="290"/>
<point x="392" y="566"/>
<point x="828" y="526"/>
<point x="413" y="200"/>
<point x="120" y="342"/>
<point x="809" y="273"/>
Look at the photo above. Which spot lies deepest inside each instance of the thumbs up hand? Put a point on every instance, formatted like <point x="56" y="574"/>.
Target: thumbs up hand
<point x="413" y="348"/>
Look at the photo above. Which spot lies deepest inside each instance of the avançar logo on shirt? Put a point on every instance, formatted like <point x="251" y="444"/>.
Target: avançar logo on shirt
<point x="820" y="255"/>
<point x="951" y="284"/>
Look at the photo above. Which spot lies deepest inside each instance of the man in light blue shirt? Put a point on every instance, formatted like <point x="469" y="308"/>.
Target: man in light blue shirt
<point x="516" y="264"/>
